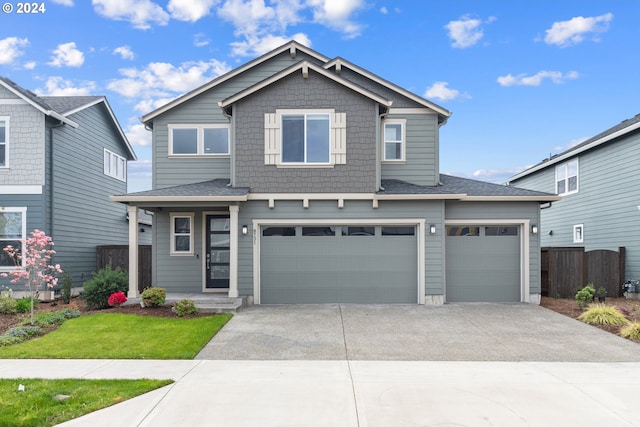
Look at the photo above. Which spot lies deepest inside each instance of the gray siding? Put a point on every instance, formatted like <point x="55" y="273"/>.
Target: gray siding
<point x="606" y="203"/>
<point x="201" y="110"/>
<point x="421" y="165"/>
<point x="504" y="210"/>
<point x="83" y="215"/>
<point x="295" y="92"/>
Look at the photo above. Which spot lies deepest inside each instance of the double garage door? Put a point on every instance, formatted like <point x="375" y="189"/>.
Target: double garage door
<point x="338" y="264"/>
<point x="483" y="263"/>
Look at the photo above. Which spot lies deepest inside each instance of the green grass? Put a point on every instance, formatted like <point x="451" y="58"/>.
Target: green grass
<point x="600" y="314"/>
<point x="121" y="336"/>
<point x="37" y="406"/>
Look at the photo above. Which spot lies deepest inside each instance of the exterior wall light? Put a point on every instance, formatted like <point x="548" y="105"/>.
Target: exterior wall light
<point x="432" y="229"/>
<point x="245" y="230"/>
<point x="534" y="229"/>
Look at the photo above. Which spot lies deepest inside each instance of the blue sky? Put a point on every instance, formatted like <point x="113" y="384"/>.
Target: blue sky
<point x="523" y="79"/>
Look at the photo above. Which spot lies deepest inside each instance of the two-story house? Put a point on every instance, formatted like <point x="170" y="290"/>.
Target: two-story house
<point x="297" y="178"/>
<point x="600" y="188"/>
<point x="61" y="157"/>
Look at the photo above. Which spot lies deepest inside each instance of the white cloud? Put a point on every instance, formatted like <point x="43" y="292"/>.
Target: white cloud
<point x="536" y="80"/>
<point x="571" y="144"/>
<point x="67" y="3"/>
<point x="247" y="15"/>
<point x="253" y="46"/>
<point x="138" y="136"/>
<point x="125" y="52"/>
<point x="57" y="86"/>
<point x="10" y="49"/>
<point x="439" y="90"/>
<point x="384" y="10"/>
<point x="140" y="168"/>
<point x="147" y="105"/>
<point x="337" y="15"/>
<point x="66" y="55"/>
<point x="140" y="13"/>
<point x="466" y="31"/>
<point x="30" y="65"/>
<point x="200" y="40"/>
<point x="496" y="175"/>
<point x="190" y="10"/>
<point x="574" y="31"/>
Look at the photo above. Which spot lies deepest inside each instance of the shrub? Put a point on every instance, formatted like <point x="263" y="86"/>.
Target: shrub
<point x="7" y="302"/>
<point x="153" y="297"/>
<point x="584" y="296"/>
<point x="600" y="314"/>
<point x="631" y="331"/>
<point x="105" y="282"/>
<point x="19" y="334"/>
<point x="117" y="298"/>
<point x="67" y="283"/>
<point x="185" y="307"/>
<point x="23" y="305"/>
<point x="51" y="318"/>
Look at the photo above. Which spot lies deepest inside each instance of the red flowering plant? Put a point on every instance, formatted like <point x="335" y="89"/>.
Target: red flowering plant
<point x="117" y="298"/>
<point x="32" y="264"/>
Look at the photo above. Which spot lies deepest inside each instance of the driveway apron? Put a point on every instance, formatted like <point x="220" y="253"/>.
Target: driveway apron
<point x="451" y="332"/>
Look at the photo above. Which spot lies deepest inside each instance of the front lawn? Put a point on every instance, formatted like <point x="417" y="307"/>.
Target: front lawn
<point x="121" y="336"/>
<point x="51" y="402"/>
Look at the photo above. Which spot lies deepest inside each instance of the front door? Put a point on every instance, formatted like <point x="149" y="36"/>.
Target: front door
<point x="218" y="250"/>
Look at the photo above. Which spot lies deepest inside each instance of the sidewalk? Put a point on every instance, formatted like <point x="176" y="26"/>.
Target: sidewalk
<point x="358" y="393"/>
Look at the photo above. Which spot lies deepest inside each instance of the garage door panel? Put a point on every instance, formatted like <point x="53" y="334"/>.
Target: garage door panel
<point x="336" y="269"/>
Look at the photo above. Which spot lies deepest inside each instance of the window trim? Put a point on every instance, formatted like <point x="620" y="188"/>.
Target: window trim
<point x="200" y="152"/>
<point x="109" y="165"/>
<point x="565" y="166"/>
<point x="305" y="112"/>
<point x="578" y="233"/>
<point x="23" y="212"/>
<point x="173" y="234"/>
<point x="403" y="141"/>
<point x="6" y="120"/>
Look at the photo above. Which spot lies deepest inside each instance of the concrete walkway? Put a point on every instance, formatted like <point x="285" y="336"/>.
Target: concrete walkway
<point x="358" y="393"/>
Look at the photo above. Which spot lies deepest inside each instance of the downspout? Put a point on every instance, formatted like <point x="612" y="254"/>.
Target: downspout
<point x="232" y="145"/>
<point x="50" y="180"/>
<point x="379" y="145"/>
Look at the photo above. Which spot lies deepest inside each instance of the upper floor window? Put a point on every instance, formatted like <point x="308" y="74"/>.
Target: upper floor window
<point x="567" y="177"/>
<point x="394" y="140"/>
<point x="199" y="140"/>
<point x="305" y="138"/>
<point x="13" y="227"/>
<point x="4" y="142"/>
<point x="115" y="165"/>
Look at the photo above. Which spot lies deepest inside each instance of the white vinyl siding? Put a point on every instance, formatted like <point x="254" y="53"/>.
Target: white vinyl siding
<point x="394" y="146"/>
<point x="182" y="233"/>
<point x="567" y="177"/>
<point x="199" y="140"/>
<point x="115" y="165"/>
<point x="305" y="138"/>
<point x="13" y="229"/>
<point x="4" y="141"/>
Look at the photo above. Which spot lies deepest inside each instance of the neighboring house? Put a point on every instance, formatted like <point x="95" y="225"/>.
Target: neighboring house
<point x="297" y="178"/>
<point x="61" y="157"/>
<point x="600" y="185"/>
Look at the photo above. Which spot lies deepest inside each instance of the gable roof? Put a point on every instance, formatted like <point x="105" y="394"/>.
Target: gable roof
<point x="61" y="107"/>
<point x="304" y="66"/>
<point x="443" y="114"/>
<point x="621" y="129"/>
<point x="292" y="46"/>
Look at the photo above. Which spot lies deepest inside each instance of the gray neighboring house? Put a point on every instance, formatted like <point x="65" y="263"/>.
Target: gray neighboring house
<point x="61" y="157"/>
<point x="600" y="188"/>
<point x="297" y="178"/>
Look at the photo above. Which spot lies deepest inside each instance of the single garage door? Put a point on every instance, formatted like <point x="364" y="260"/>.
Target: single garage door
<point x="483" y="263"/>
<point x="338" y="264"/>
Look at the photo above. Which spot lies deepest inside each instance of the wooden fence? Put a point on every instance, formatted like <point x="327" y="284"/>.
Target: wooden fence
<point x="565" y="270"/>
<point x="118" y="256"/>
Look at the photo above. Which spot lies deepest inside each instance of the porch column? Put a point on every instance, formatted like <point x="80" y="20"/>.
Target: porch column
<point x="132" y="211"/>
<point x="233" y="246"/>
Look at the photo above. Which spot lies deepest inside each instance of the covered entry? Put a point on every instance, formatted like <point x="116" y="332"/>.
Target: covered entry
<point x="483" y="263"/>
<point x="338" y="263"/>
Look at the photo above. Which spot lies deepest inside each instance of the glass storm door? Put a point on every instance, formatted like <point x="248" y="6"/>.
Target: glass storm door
<point x="218" y="250"/>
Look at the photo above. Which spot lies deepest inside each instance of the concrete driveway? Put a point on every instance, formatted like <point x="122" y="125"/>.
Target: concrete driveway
<point x="452" y="332"/>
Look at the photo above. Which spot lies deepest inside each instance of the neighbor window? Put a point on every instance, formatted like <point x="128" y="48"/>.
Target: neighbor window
<point x="567" y="177"/>
<point x="13" y="226"/>
<point x="4" y="142"/>
<point x="578" y="233"/>
<point x="181" y="233"/>
<point x="394" y="140"/>
<point x="115" y="165"/>
<point x="199" y="140"/>
<point x="305" y="138"/>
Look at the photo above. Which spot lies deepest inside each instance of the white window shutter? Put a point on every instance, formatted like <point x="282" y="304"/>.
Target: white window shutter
<point x="339" y="138"/>
<point x="271" y="138"/>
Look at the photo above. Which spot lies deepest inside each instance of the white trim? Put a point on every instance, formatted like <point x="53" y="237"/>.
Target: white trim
<point x="111" y="165"/>
<point x="411" y="111"/>
<point x="419" y="223"/>
<point x="20" y="189"/>
<point x="525" y="285"/>
<point x="578" y="237"/>
<point x="7" y="140"/>
<point x="23" y="212"/>
<point x="541" y="198"/>
<point x="132" y="212"/>
<point x="141" y="199"/>
<point x="280" y="114"/>
<point x="199" y="128"/>
<point x="403" y="140"/>
<point x="565" y="165"/>
<point x="13" y="102"/>
<point x="172" y="250"/>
